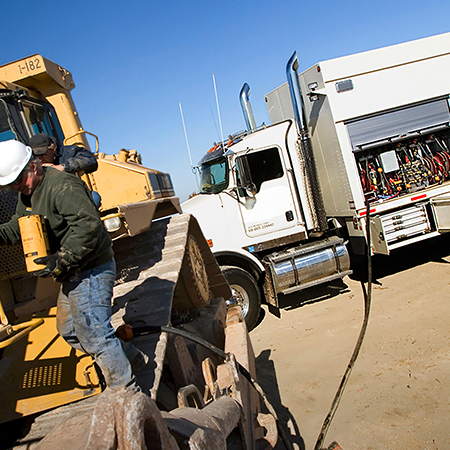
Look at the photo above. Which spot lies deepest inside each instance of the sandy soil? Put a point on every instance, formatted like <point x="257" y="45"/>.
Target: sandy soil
<point x="398" y="394"/>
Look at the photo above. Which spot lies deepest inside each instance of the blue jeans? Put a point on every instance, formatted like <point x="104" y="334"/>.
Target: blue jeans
<point x="84" y="321"/>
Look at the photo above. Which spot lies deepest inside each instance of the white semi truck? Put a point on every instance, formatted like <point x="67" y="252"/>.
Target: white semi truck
<point x="281" y="204"/>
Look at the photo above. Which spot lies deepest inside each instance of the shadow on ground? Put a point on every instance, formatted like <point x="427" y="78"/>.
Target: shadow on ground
<point x="267" y="378"/>
<point x="401" y="259"/>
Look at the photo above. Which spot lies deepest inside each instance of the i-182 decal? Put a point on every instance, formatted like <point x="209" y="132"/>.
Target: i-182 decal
<point x="29" y="65"/>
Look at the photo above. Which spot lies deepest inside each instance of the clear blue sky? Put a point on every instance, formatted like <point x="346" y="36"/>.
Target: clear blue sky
<point x="134" y="61"/>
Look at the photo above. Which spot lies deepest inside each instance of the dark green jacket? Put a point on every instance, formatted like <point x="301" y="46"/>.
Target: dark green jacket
<point x="73" y="225"/>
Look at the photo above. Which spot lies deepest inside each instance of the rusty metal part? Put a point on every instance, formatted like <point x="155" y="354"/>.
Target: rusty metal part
<point x="234" y="379"/>
<point x="182" y="367"/>
<point x="237" y="343"/>
<point x="206" y="428"/>
<point x="210" y="377"/>
<point x="230" y="380"/>
<point x="190" y="392"/>
<point x="121" y="420"/>
<point x="269" y="430"/>
<point x="334" y="446"/>
<point x="129" y="420"/>
<point x="269" y="289"/>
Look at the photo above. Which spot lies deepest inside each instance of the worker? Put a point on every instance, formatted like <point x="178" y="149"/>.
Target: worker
<point x="68" y="158"/>
<point x="71" y="158"/>
<point x="81" y="255"/>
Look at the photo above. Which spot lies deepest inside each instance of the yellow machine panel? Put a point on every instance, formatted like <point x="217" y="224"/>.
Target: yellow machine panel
<point x="41" y="371"/>
<point x="123" y="182"/>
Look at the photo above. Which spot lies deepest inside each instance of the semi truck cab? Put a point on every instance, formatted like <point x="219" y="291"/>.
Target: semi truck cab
<point x="259" y="221"/>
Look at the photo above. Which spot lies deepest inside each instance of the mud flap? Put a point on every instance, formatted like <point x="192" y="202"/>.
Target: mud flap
<point x="378" y="240"/>
<point x="441" y="211"/>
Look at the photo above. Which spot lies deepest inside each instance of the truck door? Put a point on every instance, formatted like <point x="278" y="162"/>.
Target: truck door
<point x="266" y="197"/>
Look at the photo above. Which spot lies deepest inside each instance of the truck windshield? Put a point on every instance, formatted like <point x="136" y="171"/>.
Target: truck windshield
<point x="213" y="176"/>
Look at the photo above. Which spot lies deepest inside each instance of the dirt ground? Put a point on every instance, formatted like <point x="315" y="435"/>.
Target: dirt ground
<point x="398" y="394"/>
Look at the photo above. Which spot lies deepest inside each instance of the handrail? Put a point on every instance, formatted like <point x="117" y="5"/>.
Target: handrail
<point x="83" y="132"/>
<point x="26" y="328"/>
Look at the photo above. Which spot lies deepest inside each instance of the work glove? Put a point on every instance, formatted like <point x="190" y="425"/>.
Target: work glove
<point x="55" y="266"/>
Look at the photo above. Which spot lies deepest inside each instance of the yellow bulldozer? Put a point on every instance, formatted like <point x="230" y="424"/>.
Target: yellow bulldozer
<point x="196" y="385"/>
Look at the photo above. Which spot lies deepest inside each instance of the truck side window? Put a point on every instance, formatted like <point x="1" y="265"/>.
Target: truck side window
<point x="264" y="165"/>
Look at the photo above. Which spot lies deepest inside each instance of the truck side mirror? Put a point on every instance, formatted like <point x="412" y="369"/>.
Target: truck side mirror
<point x="245" y="176"/>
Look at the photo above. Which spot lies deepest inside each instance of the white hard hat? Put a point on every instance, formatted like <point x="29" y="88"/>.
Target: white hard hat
<point x="14" y="156"/>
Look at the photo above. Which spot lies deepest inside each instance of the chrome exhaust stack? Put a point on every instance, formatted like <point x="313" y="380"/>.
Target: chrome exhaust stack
<point x="296" y="96"/>
<point x="244" y="97"/>
<point x="305" y="154"/>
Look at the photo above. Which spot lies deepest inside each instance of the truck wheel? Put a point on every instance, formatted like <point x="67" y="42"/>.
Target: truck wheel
<point x="245" y="292"/>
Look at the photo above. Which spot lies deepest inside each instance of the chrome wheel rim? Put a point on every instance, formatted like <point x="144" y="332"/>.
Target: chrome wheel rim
<point x="242" y="298"/>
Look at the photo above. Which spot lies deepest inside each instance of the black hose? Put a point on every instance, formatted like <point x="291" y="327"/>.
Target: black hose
<point x="367" y="303"/>
<point x="140" y="331"/>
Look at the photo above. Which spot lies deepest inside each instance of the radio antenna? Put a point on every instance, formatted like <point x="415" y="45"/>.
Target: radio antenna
<point x="185" y="135"/>
<point x="215" y="123"/>
<point x="218" y="110"/>
<point x="187" y="144"/>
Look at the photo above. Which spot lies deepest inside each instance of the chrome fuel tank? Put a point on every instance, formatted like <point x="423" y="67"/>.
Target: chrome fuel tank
<point x="308" y="265"/>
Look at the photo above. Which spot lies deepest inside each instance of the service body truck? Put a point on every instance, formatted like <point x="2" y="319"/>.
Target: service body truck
<point x="365" y="132"/>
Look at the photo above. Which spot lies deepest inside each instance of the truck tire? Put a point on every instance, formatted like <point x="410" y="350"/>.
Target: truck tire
<point x="245" y="292"/>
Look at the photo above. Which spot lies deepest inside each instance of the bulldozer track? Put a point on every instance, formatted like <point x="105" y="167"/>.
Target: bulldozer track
<point x="166" y="267"/>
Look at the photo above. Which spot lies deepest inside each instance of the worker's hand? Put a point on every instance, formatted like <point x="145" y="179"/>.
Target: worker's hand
<point x="125" y="332"/>
<point x="54" y="266"/>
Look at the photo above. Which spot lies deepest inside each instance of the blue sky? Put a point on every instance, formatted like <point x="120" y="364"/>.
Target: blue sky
<point x="133" y="62"/>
